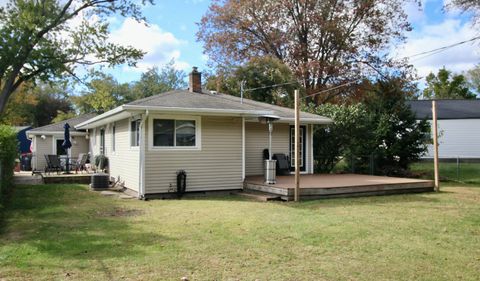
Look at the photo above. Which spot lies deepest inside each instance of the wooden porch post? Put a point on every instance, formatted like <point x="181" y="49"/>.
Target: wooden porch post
<point x="297" y="148"/>
<point x="435" y="146"/>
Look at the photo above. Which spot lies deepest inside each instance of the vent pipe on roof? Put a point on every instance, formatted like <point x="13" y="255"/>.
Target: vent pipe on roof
<point x="195" y="81"/>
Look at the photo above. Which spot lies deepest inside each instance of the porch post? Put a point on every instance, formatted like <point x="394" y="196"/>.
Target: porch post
<point x="297" y="148"/>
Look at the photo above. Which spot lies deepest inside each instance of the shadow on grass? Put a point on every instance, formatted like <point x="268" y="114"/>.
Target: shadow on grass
<point x="69" y="222"/>
<point x="367" y="200"/>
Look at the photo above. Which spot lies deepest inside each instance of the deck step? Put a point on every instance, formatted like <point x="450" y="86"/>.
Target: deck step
<point x="259" y="196"/>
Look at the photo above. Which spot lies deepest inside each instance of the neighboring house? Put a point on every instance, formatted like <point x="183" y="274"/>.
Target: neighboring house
<point x="23" y="142"/>
<point x="458" y="126"/>
<point x="217" y="139"/>
<point x="48" y="140"/>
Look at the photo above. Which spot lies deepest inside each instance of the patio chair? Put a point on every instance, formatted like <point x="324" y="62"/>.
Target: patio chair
<point x="283" y="167"/>
<point x="79" y="165"/>
<point x="53" y="164"/>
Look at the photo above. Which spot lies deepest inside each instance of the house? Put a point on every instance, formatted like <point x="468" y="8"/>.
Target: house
<point x="48" y="140"/>
<point x="216" y="139"/>
<point x="458" y="126"/>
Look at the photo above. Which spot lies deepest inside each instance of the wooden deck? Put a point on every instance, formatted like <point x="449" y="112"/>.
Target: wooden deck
<point x="342" y="185"/>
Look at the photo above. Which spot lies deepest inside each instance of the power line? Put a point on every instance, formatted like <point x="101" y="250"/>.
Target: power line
<point x="438" y="50"/>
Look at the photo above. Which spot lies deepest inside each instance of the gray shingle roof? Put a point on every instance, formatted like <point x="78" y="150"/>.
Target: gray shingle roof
<point x="447" y="109"/>
<point x="207" y="100"/>
<point x="58" y="127"/>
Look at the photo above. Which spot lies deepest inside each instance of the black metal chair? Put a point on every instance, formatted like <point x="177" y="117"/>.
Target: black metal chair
<point x="283" y="165"/>
<point x="53" y="164"/>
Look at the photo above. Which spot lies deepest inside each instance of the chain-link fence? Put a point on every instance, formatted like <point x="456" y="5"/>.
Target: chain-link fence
<point x="459" y="169"/>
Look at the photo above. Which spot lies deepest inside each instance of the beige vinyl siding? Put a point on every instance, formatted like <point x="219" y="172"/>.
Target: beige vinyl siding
<point x="124" y="164"/>
<point x="42" y="147"/>
<point x="46" y="146"/>
<point x="256" y="140"/>
<point x="79" y="145"/>
<point x="216" y="166"/>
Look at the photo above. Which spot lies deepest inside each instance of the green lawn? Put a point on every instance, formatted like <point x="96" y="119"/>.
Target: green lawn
<point x="65" y="232"/>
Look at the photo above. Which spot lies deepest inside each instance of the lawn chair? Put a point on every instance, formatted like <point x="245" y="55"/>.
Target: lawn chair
<point x="53" y="164"/>
<point x="79" y="165"/>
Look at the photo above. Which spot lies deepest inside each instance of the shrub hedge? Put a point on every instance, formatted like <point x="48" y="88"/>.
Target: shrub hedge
<point x="8" y="154"/>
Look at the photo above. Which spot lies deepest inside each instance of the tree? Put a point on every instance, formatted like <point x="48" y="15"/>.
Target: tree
<point x="331" y="142"/>
<point x="259" y="74"/>
<point x="381" y="128"/>
<point x="324" y="42"/>
<point x="156" y="81"/>
<point x="472" y="6"/>
<point x="47" y="39"/>
<point x="473" y="78"/>
<point x="103" y="93"/>
<point x="37" y="104"/>
<point x="397" y="139"/>
<point x="446" y="85"/>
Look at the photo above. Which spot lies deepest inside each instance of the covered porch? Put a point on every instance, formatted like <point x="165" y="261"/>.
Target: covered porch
<point x="336" y="185"/>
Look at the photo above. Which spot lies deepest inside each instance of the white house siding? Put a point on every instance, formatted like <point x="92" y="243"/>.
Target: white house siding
<point x="216" y="166"/>
<point x="459" y="137"/>
<point x="124" y="162"/>
<point x="79" y="145"/>
<point x="41" y="147"/>
<point x="256" y="140"/>
<point x="46" y="146"/>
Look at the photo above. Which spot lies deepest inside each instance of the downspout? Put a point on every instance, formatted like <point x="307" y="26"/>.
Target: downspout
<point x="141" y="193"/>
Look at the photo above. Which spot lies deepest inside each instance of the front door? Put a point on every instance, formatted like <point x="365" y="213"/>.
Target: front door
<point x="303" y="134"/>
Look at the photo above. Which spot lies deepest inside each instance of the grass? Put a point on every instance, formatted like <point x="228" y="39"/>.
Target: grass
<point x="465" y="173"/>
<point x="65" y="232"/>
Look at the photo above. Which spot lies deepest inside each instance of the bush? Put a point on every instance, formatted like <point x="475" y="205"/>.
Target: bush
<point x="8" y="154"/>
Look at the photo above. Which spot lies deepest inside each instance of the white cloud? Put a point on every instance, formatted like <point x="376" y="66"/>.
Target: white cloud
<point x="160" y="46"/>
<point x="434" y="36"/>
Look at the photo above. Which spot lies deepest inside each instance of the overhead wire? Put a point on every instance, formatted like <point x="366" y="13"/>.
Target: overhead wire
<point x="422" y="55"/>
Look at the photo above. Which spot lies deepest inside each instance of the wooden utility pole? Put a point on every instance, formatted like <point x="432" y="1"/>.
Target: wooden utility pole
<point x="297" y="147"/>
<point x="435" y="146"/>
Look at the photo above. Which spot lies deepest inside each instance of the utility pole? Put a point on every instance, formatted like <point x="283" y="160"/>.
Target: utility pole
<point x="297" y="147"/>
<point x="435" y="146"/>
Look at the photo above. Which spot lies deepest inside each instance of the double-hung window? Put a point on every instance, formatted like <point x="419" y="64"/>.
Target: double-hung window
<point x="135" y="133"/>
<point x="174" y="133"/>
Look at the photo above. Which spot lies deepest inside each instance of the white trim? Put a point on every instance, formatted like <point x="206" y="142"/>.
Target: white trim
<point x="54" y="133"/>
<point x="311" y="150"/>
<point x="304" y="121"/>
<point x="141" y="159"/>
<point x="130" y="120"/>
<point x="198" y="132"/>
<point x="214" y="111"/>
<point x="243" y="149"/>
<point x="113" y="140"/>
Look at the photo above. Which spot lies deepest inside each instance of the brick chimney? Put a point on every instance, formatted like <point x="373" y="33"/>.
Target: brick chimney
<point x="195" y="81"/>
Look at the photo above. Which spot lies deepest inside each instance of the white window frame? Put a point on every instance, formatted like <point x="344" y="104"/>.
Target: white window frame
<point x="113" y="133"/>
<point x="54" y="145"/>
<point x="130" y="133"/>
<point x="198" y="134"/>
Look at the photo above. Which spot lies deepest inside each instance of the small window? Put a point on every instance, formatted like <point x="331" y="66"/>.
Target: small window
<point x="174" y="133"/>
<point x="60" y="149"/>
<point x="135" y="133"/>
<point x="102" y="141"/>
<point x="113" y="137"/>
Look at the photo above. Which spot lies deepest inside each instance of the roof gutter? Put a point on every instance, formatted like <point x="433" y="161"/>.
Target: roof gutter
<point x="213" y="111"/>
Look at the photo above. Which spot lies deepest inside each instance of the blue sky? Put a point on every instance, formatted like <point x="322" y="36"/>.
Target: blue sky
<point x="173" y="26"/>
